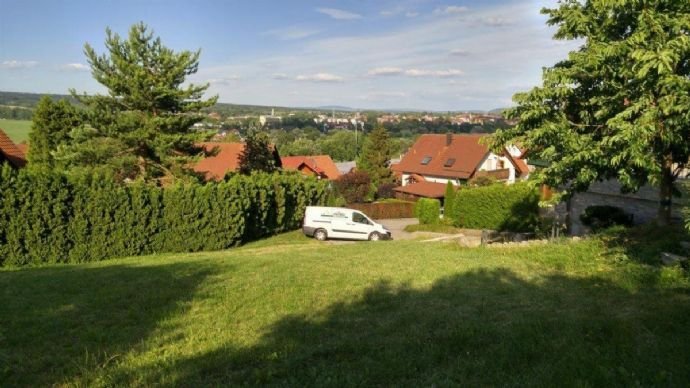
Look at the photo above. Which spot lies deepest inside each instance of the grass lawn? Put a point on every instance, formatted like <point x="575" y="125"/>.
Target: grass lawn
<point x="17" y="130"/>
<point x="291" y="311"/>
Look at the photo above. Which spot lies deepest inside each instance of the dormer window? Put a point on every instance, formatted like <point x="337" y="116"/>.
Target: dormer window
<point x="426" y="160"/>
<point x="449" y="163"/>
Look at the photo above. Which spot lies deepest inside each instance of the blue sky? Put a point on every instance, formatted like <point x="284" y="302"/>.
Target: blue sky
<point x="421" y="54"/>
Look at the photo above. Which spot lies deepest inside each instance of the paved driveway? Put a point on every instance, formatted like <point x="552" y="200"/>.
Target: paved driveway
<point x="397" y="228"/>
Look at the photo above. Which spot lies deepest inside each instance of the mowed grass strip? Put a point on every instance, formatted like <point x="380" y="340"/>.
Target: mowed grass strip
<point x="291" y="311"/>
<point x="17" y="130"/>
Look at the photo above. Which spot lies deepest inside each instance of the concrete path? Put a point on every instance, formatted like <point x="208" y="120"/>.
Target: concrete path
<point x="467" y="237"/>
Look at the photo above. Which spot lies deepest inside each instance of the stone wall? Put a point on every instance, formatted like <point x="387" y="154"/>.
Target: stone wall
<point x="643" y="205"/>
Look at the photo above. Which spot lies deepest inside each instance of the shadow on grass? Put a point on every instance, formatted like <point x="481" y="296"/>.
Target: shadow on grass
<point x="59" y="323"/>
<point x="486" y="327"/>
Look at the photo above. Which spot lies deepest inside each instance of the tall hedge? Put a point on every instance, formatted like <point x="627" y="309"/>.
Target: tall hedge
<point x="47" y="217"/>
<point x="498" y="207"/>
<point x="428" y="210"/>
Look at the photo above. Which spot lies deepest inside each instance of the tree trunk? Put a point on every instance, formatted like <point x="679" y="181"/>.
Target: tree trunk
<point x="665" y="193"/>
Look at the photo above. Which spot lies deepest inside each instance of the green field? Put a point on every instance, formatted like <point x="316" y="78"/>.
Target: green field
<point x="294" y="312"/>
<point x="17" y="130"/>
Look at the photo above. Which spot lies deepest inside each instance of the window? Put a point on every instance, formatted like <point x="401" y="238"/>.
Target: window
<point x="501" y="165"/>
<point x="449" y="163"/>
<point x="359" y="218"/>
<point x="426" y="160"/>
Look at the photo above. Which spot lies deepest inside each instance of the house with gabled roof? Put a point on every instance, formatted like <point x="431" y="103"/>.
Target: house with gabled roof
<point x="9" y="152"/>
<point x="320" y="166"/>
<point x="434" y="160"/>
<point x="223" y="158"/>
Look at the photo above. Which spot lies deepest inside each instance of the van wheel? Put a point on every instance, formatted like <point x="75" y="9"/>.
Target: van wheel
<point x="320" y="235"/>
<point x="374" y="236"/>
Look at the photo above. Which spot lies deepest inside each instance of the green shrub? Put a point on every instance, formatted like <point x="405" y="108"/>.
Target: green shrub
<point x="449" y="199"/>
<point x="498" y="207"/>
<point x="47" y="217"/>
<point x="428" y="210"/>
<point x="600" y="217"/>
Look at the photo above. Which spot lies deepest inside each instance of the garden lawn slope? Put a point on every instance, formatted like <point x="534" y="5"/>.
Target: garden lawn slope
<point x="292" y="311"/>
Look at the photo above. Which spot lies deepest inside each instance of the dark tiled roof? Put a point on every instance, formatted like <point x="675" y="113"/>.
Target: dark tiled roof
<point x="10" y="152"/>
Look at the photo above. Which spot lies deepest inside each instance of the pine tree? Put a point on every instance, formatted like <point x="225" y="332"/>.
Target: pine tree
<point x="376" y="154"/>
<point x="618" y="106"/>
<point x="258" y="154"/>
<point x="143" y="127"/>
<point x="51" y="127"/>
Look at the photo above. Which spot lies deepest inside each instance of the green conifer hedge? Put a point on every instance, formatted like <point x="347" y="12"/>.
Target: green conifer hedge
<point x="47" y="217"/>
<point x="499" y="207"/>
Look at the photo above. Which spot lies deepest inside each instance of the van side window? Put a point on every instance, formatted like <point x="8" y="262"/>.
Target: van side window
<point x="359" y="218"/>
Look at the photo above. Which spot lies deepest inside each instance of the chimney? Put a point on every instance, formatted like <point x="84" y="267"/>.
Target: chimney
<point x="449" y="139"/>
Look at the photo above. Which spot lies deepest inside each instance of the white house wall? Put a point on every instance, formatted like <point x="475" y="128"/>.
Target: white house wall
<point x="491" y="161"/>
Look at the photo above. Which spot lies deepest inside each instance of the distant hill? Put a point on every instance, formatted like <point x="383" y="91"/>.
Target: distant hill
<point x="339" y="108"/>
<point x="24" y="101"/>
<point x="497" y="111"/>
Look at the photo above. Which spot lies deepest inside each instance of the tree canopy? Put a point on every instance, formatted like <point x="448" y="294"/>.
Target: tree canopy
<point x="618" y="107"/>
<point x="143" y="127"/>
<point x="376" y="155"/>
<point x="52" y="123"/>
<point x="258" y="154"/>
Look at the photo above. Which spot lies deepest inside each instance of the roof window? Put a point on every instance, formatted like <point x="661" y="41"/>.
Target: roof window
<point x="426" y="160"/>
<point x="449" y="163"/>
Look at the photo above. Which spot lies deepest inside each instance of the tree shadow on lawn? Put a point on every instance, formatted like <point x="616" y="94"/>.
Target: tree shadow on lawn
<point x="59" y="323"/>
<point x="486" y="327"/>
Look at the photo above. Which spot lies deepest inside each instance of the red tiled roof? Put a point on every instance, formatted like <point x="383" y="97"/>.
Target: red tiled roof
<point x="320" y="164"/>
<point x="10" y="152"/>
<point x="226" y="160"/>
<point x="465" y="149"/>
<point x="424" y="189"/>
<point x="24" y="148"/>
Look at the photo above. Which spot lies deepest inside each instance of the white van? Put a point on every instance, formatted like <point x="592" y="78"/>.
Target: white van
<point x="341" y="223"/>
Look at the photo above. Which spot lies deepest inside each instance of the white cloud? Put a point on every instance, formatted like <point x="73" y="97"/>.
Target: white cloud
<point x="390" y="71"/>
<point x="459" y="52"/>
<point x="433" y="73"/>
<point x="279" y="76"/>
<point x="15" y="64"/>
<point x="320" y="77"/>
<point x="291" y="33"/>
<point x="495" y="21"/>
<point x="450" y="10"/>
<point x="411" y="14"/>
<point x="487" y="64"/>
<point x="339" y="14"/>
<point x="224" y="80"/>
<point x="75" y="67"/>
<point x="385" y="71"/>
